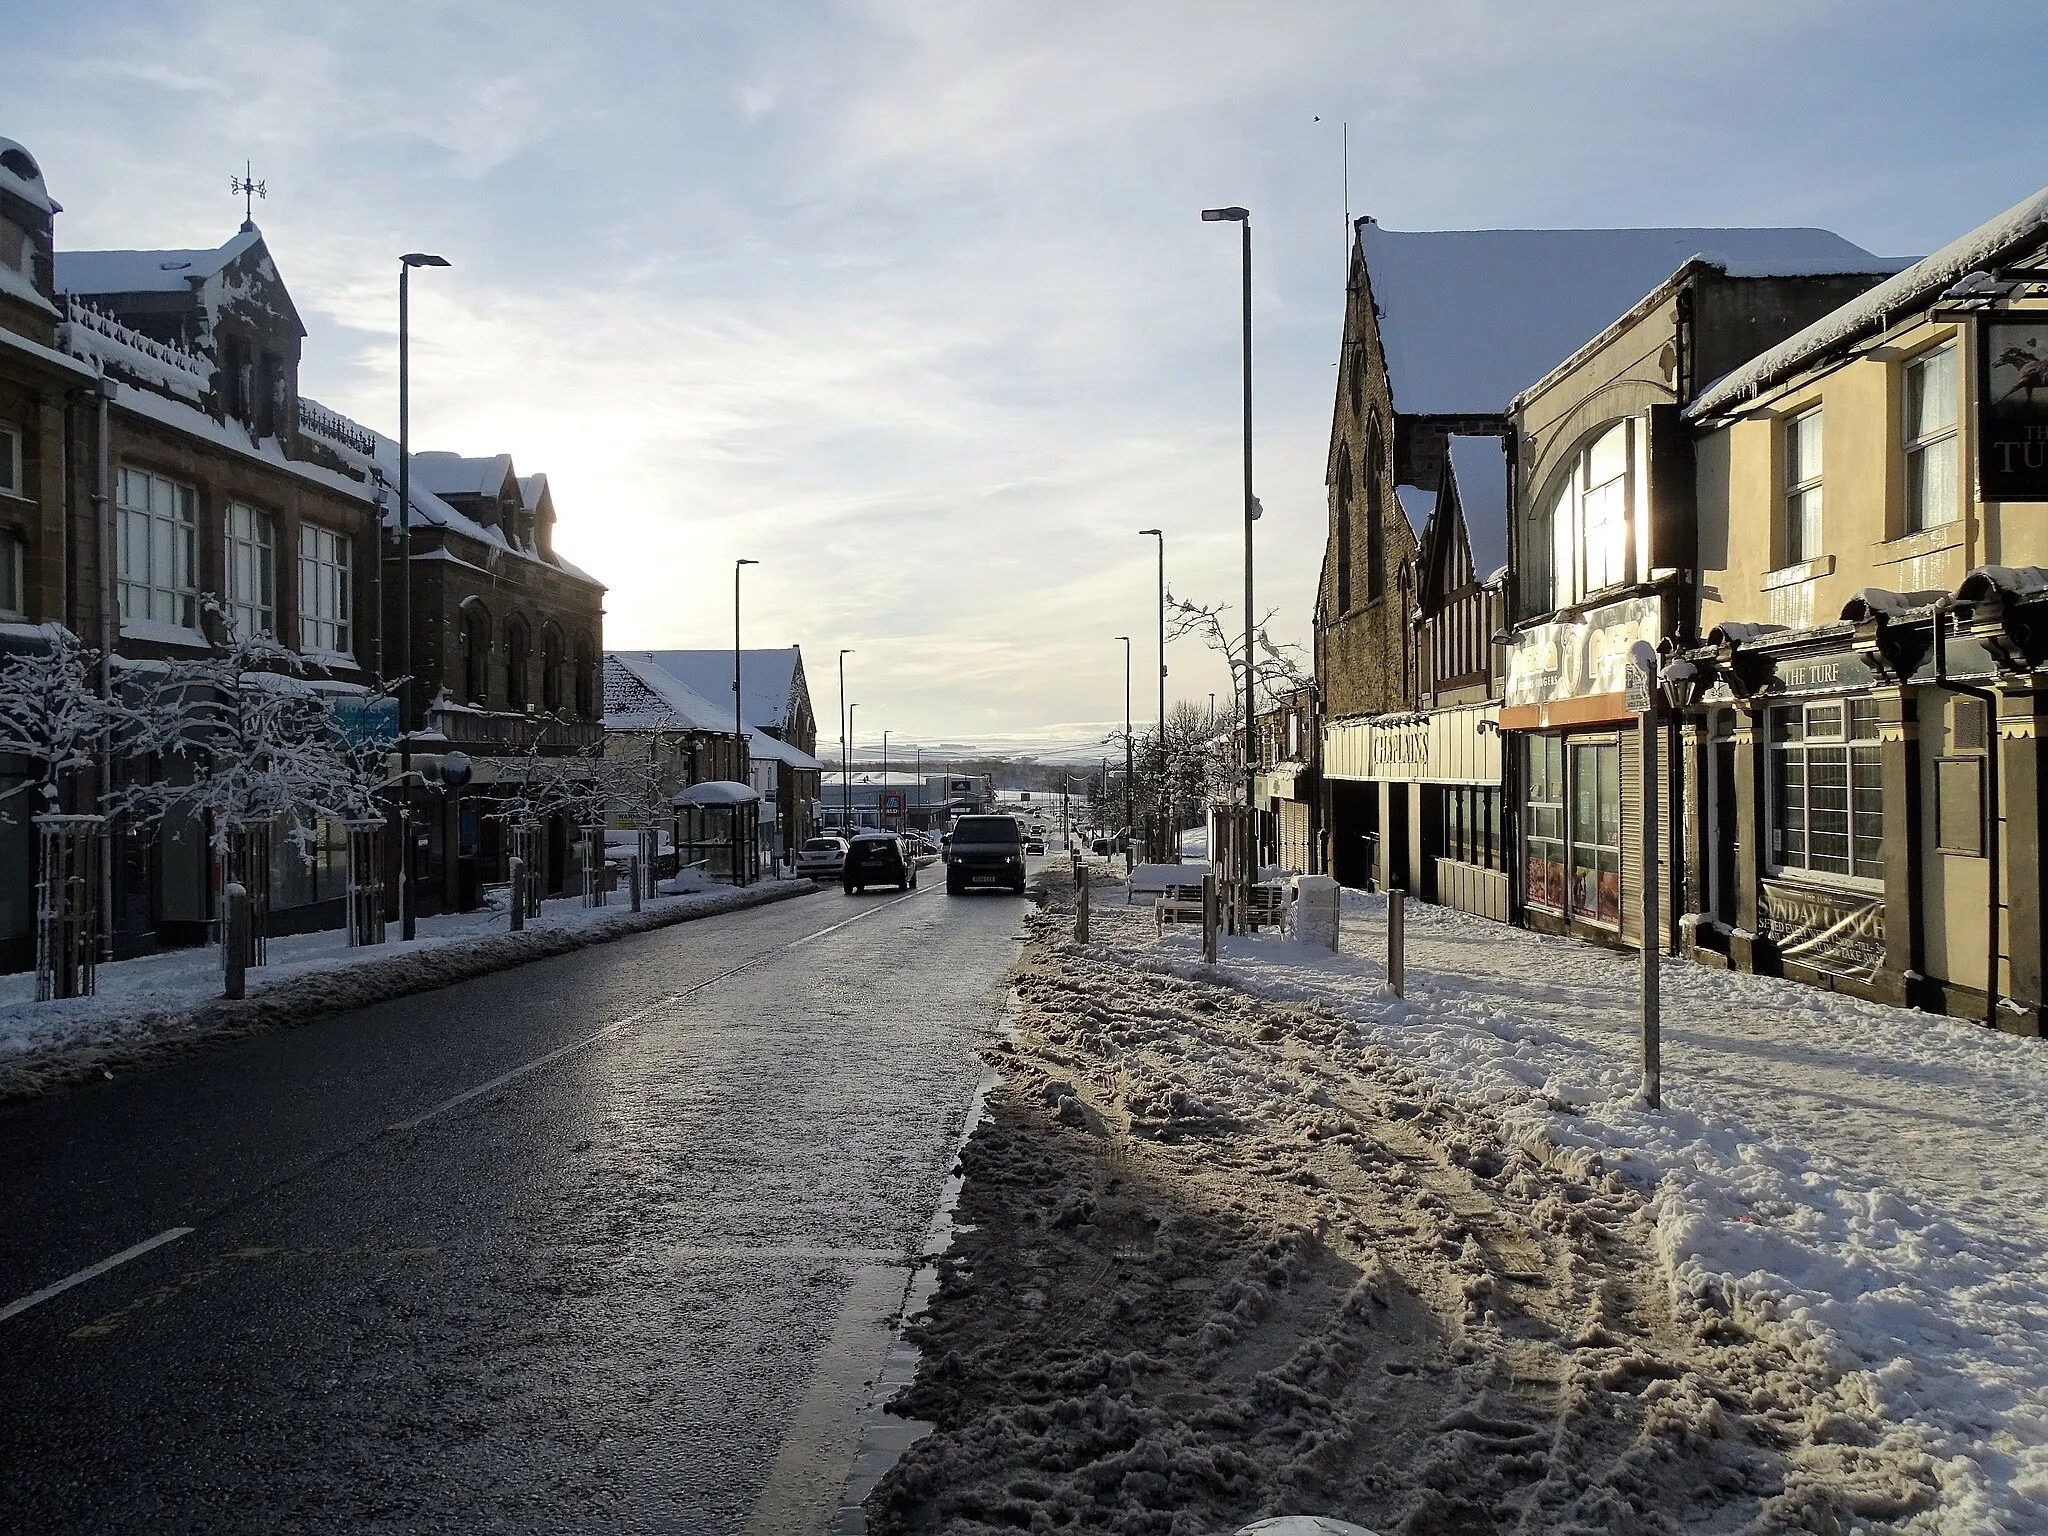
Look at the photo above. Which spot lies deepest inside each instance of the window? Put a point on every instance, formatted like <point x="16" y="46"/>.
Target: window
<point x="476" y="653"/>
<point x="158" y="557"/>
<point x="1827" y="793"/>
<point x="1802" y="488"/>
<point x="1545" y="834"/>
<point x="1596" y="832"/>
<point x="1375" y="536"/>
<point x="324" y="591"/>
<point x="1344" y="489"/>
<point x="516" y="646"/>
<point x="252" y="602"/>
<point x="1472" y="826"/>
<point x="586" y="678"/>
<point x="1589" y="513"/>
<point x="1930" y="422"/>
<point x="13" y="601"/>
<point x="551" y="669"/>
<point x="10" y="459"/>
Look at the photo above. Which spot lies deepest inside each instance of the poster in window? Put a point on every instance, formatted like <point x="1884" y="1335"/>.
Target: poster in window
<point x="2012" y="412"/>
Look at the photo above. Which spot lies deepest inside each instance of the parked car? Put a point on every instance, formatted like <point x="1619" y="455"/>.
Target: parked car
<point x="1035" y="845"/>
<point x="878" y="858"/>
<point x="822" y="858"/>
<point x="986" y="850"/>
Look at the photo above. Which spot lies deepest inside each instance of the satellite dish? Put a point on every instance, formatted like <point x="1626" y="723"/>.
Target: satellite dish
<point x="455" y="769"/>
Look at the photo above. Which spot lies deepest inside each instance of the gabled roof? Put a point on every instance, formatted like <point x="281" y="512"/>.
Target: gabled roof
<point x="531" y="489"/>
<point x="1470" y="318"/>
<point x="767" y="680"/>
<point x="1480" y="466"/>
<point x="2013" y="232"/>
<point x="1418" y="506"/>
<point x="761" y="747"/>
<point x="640" y="695"/>
<point x="450" y="474"/>
<point x="146" y="271"/>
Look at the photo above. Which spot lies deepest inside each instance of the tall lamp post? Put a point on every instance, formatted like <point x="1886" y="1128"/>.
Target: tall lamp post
<point x="739" y="728"/>
<point x="1160" y="535"/>
<point x="409" y="891"/>
<point x="849" y="730"/>
<point x="1130" y="806"/>
<point x="884" y="790"/>
<point x="845" y="762"/>
<point x="1243" y="219"/>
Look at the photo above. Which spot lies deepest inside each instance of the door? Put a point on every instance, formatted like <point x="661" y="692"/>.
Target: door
<point x="1725" y="832"/>
<point x="1398" y="876"/>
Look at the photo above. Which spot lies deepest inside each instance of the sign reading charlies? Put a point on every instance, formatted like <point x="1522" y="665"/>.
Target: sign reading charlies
<point x="1839" y="932"/>
<point x="1458" y="745"/>
<point x="2012" y="408"/>
<point x="1576" y="672"/>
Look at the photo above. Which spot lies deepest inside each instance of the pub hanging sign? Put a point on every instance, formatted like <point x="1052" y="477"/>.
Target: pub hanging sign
<point x="2012" y="408"/>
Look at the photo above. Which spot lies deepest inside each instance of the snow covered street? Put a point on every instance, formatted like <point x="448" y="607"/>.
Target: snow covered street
<point x="1828" y="1236"/>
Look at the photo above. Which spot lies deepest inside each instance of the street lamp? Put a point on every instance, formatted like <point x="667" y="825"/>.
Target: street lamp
<point x="1130" y="807"/>
<point x="406" y="692"/>
<point x="1243" y="219"/>
<point x="739" y="728"/>
<point x="1161" y="537"/>
<point x="849" y="736"/>
<point x="884" y="790"/>
<point x="845" y="762"/>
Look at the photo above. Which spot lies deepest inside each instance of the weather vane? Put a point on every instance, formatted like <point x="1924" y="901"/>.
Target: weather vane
<point x="250" y="188"/>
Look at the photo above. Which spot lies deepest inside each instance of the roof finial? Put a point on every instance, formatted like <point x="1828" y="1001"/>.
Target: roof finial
<point x="251" y="189"/>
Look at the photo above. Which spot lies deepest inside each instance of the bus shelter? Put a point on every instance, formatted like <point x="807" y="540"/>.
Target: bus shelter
<point x="718" y="831"/>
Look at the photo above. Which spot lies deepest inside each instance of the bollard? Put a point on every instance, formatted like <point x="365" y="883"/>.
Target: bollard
<point x="518" y="867"/>
<point x="1397" y="941"/>
<point x="1081" y="911"/>
<point x="1209" y="917"/>
<point x="633" y="874"/>
<point x="235" y="940"/>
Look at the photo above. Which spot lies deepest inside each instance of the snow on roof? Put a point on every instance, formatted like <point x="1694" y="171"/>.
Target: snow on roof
<point x="716" y="792"/>
<point x="450" y="474"/>
<point x="20" y="175"/>
<point x="1470" y="318"/>
<point x="761" y="747"/>
<point x="766" y="679"/>
<point x="531" y="489"/>
<point x="146" y="271"/>
<point x="23" y="287"/>
<point x="92" y="335"/>
<point x="1990" y="243"/>
<point x="639" y="695"/>
<point x="234" y="437"/>
<point x="1419" y="506"/>
<point x="42" y="354"/>
<point x="1480" y="465"/>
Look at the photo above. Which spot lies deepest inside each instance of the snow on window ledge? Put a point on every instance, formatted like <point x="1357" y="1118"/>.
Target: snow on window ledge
<point x="163" y="634"/>
<point x="332" y="659"/>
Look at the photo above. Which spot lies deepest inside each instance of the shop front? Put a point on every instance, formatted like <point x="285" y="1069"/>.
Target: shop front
<point x="1576" y="765"/>
<point x="1421" y="796"/>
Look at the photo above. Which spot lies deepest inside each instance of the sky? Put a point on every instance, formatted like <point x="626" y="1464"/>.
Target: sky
<point x="912" y="303"/>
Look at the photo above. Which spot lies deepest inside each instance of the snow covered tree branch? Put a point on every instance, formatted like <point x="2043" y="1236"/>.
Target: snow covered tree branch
<point x="1276" y="669"/>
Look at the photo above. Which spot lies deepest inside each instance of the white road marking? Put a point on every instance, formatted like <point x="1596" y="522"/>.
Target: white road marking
<point x="619" y="1025"/>
<point x="92" y="1271"/>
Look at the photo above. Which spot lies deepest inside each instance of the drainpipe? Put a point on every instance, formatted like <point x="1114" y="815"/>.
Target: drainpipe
<point x="103" y="505"/>
<point x="1944" y="607"/>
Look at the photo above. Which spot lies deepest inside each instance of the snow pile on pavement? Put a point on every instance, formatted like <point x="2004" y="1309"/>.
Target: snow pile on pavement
<point x="170" y="1003"/>
<point x="1862" y="1186"/>
<point x="1224" y="1258"/>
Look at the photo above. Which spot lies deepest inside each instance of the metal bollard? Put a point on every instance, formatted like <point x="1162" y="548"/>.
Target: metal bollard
<point x="1397" y="941"/>
<point x="235" y="940"/>
<point x="1081" y="911"/>
<point x="633" y="875"/>
<point x="1210" y="917"/>
<point x="518" y="868"/>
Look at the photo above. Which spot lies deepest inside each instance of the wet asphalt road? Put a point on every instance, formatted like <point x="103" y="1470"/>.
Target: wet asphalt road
<point x="592" y="1296"/>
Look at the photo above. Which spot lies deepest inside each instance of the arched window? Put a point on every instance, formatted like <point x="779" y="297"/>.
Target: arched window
<point x="1580" y="525"/>
<point x="1344" y="489"/>
<point x="551" y="668"/>
<point x="586" y="677"/>
<point x="476" y="653"/>
<point x="517" y="644"/>
<point x="1375" y="536"/>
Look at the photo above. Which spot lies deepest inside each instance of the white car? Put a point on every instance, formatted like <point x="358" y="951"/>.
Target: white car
<point x="822" y="858"/>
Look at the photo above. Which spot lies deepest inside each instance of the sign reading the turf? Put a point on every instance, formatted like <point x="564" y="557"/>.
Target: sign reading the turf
<point x="2012" y="409"/>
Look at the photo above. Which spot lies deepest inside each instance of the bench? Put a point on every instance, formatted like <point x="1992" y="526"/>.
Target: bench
<point x="1178" y="904"/>
<point x="1157" y="879"/>
<point x="1265" y="907"/>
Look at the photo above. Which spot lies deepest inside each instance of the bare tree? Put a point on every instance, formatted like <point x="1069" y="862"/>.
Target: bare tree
<point x="1277" y="669"/>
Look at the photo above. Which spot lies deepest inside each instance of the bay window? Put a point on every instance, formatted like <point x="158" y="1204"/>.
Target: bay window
<point x="324" y="591"/>
<point x="158" y="557"/>
<point x="1827" y="790"/>
<point x="1930" y="439"/>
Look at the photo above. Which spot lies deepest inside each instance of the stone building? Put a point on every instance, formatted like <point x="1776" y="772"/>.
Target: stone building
<point x="1864" y="772"/>
<point x="158" y="486"/>
<point x="1442" y="330"/>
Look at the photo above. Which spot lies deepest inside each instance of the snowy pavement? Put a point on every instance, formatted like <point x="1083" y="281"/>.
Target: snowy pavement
<point x="1862" y="1185"/>
<point x="174" y="995"/>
